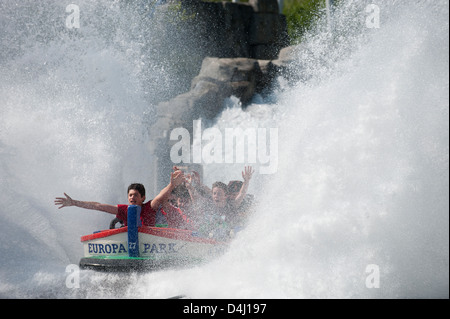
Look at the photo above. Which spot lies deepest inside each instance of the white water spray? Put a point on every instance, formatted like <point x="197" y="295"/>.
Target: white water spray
<point x="361" y="189"/>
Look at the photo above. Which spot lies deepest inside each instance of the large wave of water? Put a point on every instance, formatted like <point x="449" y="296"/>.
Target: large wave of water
<point x="362" y="178"/>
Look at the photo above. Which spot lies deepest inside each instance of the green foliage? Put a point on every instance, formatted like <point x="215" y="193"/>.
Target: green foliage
<point x="177" y="12"/>
<point x="301" y="15"/>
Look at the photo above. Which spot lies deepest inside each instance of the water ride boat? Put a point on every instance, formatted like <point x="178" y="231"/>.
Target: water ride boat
<point x="141" y="248"/>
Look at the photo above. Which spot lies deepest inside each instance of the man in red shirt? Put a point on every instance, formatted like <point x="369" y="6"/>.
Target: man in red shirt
<point x="136" y="196"/>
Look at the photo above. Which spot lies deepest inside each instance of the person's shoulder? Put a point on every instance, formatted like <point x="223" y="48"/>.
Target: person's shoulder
<point x="147" y="206"/>
<point x="149" y="203"/>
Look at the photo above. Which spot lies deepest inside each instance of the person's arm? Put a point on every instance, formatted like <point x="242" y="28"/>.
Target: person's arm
<point x="193" y="185"/>
<point x="247" y="176"/>
<point x="176" y="178"/>
<point x="192" y="193"/>
<point x="68" y="201"/>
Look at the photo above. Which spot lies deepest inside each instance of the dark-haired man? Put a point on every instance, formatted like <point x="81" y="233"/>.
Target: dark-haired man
<point x="136" y="196"/>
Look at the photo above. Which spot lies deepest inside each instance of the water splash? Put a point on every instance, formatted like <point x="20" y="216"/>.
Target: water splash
<point x="362" y="177"/>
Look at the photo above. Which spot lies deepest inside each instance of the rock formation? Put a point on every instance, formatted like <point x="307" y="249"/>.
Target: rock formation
<point x="250" y="30"/>
<point x="247" y="61"/>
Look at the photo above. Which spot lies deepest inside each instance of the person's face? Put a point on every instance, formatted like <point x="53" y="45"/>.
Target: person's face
<point x="135" y="198"/>
<point x="219" y="197"/>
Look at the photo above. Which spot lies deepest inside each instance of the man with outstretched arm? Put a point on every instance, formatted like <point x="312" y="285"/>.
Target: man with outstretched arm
<point x="136" y="196"/>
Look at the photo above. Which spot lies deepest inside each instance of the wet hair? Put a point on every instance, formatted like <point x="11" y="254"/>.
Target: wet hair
<point x="220" y="185"/>
<point x="138" y="187"/>
<point x="234" y="186"/>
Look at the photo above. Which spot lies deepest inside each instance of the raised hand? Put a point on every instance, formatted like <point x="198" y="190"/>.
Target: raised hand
<point x="177" y="178"/>
<point x="247" y="173"/>
<point x="64" y="202"/>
